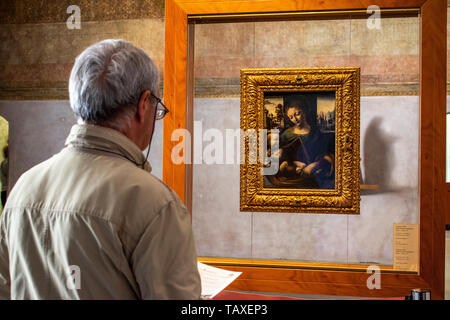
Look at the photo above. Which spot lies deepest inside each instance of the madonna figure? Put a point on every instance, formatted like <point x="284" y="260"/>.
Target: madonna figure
<point x="306" y="154"/>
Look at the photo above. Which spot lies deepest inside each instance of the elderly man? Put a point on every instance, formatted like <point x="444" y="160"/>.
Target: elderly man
<point x="92" y="222"/>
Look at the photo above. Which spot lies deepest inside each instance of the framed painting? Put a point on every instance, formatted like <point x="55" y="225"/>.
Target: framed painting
<point x="301" y="140"/>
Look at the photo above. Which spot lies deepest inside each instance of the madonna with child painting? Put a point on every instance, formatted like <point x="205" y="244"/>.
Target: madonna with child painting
<point x="306" y="124"/>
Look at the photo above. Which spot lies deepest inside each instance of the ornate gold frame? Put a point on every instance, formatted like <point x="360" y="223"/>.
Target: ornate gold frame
<point x="345" y="198"/>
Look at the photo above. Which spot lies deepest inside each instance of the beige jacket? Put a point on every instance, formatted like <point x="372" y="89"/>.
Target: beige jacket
<point x="89" y="224"/>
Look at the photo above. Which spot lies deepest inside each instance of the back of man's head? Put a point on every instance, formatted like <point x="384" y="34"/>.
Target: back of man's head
<point x="107" y="81"/>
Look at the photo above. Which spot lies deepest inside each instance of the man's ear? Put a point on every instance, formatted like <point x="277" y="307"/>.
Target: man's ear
<point x="143" y="106"/>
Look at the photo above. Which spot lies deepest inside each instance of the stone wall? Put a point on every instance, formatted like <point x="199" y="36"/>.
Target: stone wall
<point x="38" y="49"/>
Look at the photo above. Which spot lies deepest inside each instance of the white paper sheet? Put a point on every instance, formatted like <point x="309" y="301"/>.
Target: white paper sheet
<point x="214" y="279"/>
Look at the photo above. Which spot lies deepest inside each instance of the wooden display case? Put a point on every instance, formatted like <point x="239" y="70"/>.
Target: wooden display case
<point x="319" y="278"/>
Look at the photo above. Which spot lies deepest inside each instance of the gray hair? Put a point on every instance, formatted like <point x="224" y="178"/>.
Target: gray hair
<point x="107" y="80"/>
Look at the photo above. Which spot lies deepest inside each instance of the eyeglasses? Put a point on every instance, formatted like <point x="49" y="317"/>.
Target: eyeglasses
<point x="160" y="111"/>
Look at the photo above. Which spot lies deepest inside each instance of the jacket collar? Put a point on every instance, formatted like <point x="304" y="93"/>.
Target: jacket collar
<point x="105" y="139"/>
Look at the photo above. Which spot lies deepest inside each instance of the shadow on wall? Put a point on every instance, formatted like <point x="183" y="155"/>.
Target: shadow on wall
<point x="377" y="158"/>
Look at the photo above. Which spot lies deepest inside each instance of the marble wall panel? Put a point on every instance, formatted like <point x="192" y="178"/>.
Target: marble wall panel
<point x="389" y="141"/>
<point x="304" y="237"/>
<point x="220" y="229"/>
<point x="389" y="152"/>
<point x="370" y="234"/>
<point x="37" y="130"/>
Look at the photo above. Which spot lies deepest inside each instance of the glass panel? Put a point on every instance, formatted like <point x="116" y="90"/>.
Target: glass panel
<point x="389" y="61"/>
